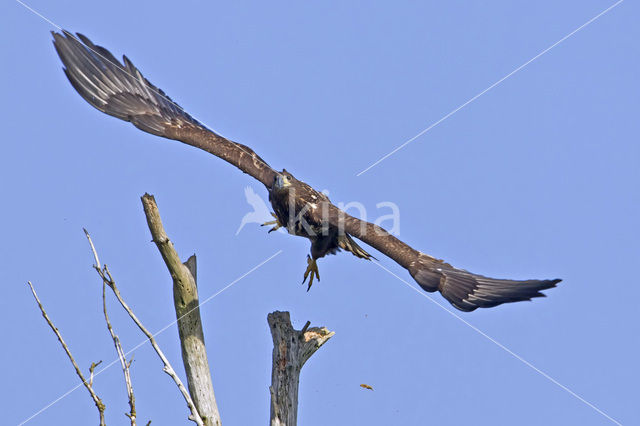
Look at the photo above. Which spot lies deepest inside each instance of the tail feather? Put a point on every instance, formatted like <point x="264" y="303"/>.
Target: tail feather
<point x="347" y="243"/>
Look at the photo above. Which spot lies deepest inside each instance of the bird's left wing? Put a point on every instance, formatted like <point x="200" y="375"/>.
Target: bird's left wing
<point x="463" y="289"/>
<point x="120" y="90"/>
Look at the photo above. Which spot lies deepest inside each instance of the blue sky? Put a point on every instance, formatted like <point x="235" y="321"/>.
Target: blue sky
<point x="536" y="178"/>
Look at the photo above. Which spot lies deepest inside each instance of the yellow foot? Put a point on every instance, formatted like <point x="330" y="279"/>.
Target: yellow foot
<point x="273" y="222"/>
<point x="312" y="271"/>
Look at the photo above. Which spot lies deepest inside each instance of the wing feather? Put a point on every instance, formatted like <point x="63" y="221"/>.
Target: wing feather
<point x="464" y="290"/>
<point x="120" y="90"/>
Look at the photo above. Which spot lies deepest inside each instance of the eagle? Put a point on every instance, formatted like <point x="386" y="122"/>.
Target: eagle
<point x="120" y="90"/>
<point x="294" y="203"/>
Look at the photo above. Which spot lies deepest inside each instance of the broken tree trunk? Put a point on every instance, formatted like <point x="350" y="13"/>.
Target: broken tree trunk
<point x="291" y="349"/>
<point x="185" y="298"/>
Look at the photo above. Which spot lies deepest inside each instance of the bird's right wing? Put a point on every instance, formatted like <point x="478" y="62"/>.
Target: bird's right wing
<point x="120" y="90"/>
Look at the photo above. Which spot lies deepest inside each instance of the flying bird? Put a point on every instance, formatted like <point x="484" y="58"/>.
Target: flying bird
<point x="296" y="205"/>
<point x="120" y="90"/>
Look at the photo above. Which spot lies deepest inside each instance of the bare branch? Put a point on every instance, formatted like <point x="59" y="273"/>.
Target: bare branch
<point x="187" y="307"/>
<point x="107" y="279"/>
<point x="87" y="384"/>
<point x="123" y="360"/>
<point x="291" y="349"/>
<point x="92" y="368"/>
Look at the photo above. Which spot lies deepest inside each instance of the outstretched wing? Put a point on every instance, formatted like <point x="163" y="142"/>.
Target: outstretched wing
<point x="464" y="290"/>
<point x="120" y="90"/>
<point x="467" y="291"/>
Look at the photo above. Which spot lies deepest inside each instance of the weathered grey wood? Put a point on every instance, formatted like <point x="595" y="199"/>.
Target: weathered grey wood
<point x="291" y="349"/>
<point x="185" y="297"/>
<point x="194" y="353"/>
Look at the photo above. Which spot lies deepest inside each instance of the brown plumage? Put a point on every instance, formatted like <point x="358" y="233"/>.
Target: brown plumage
<point x="120" y="90"/>
<point x="295" y="205"/>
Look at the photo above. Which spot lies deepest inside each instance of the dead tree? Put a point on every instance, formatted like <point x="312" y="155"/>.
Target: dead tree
<point x="187" y="306"/>
<point x="292" y="348"/>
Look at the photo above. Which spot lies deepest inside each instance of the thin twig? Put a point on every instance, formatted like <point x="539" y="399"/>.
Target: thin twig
<point x="107" y="279"/>
<point x="123" y="360"/>
<point x="91" y="370"/>
<point x="87" y="384"/>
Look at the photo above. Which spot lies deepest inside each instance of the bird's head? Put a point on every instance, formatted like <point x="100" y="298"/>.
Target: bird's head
<point x="282" y="180"/>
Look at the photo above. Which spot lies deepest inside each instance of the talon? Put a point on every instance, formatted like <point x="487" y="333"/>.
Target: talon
<point x="273" y="222"/>
<point x="311" y="272"/>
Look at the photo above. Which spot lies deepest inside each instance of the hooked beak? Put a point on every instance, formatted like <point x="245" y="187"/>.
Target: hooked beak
<point x="282" y="181"/>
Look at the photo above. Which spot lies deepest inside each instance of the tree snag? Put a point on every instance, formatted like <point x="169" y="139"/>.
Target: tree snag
<point x="291" y="349"/>
<point x="187" y="306"/>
